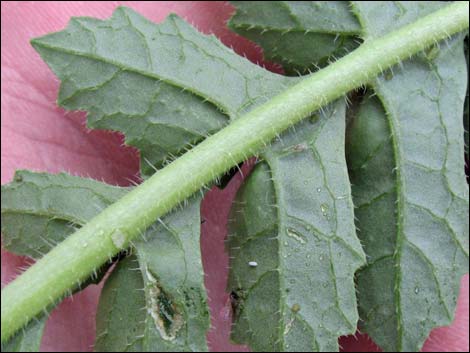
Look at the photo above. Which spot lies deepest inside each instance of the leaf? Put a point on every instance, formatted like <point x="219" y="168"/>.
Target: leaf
<point x="413" y="221"/>
<point x="120" y="309"/>
<point x="39" y="210"/>
<point x="166" y="116"/>
<point x="161" y="97"/>
<point x="28" y="339"/>
<point x="155" y="301"/>
<point x="284" y="246"/>
<point x="300" y="35"/>
<point x="168" y="272"/>
<point x="177" y="85"/>
<point x="171" y="103"/>
<point x="223" y="83"/>
<point x="154" y="100"/>
<point x="293" y="245"/>
<point x="370" y="148"/>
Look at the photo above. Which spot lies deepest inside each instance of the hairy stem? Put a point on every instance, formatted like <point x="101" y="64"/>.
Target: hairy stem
<point x="112" y="230"/>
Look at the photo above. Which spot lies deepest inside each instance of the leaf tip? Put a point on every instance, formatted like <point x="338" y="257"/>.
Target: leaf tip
<point x="35" y="42"/>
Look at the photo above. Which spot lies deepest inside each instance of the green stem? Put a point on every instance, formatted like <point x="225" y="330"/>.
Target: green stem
<point x="105" y="235"/>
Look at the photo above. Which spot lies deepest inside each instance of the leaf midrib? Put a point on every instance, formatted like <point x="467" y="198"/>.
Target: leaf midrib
<point x="280" y="229"/>
<point x="399" y="192"/>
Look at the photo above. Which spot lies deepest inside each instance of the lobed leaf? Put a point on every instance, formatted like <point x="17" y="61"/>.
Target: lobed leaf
<point x="423" y="100"/>
<point x="39" y="210"/>
<point x="293" y="245"/>
<point x="122" y="308"/>
<point x="109" y="68"/>
<point x="123" y="72"/>
<point x="194" y="93"/>
<point x="165" y="86"/>
<point x="406" y="164"/>
<point x="244" y="85"/>
<point x="154" y="301"/>
<point x="300" y="35"/>
<point x="294" y="214"/>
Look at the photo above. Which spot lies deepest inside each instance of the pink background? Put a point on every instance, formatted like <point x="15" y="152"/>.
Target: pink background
<point x="37" y="135"/>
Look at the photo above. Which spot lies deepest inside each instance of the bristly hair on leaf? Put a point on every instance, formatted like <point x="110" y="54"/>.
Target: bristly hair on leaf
<point x="387" y="163"/>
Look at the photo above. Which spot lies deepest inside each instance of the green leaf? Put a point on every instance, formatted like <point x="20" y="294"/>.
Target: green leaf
<point x="294" y="211"/>
<point x="293" y="245"/>
<point x="165" y="105"/>
<point x="300" y="35"/>
<point x="28" y="339"/>
<point x="176" y="85"/>
<point x="121" y="308"/>
<point x="39" y="210"/>
<point x="405" y="155"/>
<point x="155" y="301"/>
<point x="170" y="261"/>
<point x="98" y="61"/>
<point x="438" y="186"/>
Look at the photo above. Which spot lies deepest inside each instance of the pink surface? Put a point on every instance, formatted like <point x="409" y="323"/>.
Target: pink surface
<point x="37" y="135"/>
